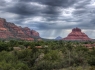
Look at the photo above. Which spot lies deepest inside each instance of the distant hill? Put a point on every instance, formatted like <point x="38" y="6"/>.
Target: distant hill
<point x="58" y="38"/>
<point x="11" y="31"/>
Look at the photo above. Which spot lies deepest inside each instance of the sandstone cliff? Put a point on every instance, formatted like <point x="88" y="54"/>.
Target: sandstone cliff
<point x="10" y="30"/>
<point x="76" y="34"/>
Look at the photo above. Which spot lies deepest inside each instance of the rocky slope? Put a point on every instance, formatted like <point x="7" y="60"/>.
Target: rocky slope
<point x="12" y="31"/>
<point x="76" y="34"/>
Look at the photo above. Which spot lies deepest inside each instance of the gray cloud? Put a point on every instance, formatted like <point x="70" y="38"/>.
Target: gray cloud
<point x="82" y="4"/>
<point x="2" y="3"/>
<point x="24" y="9"/>
<point x="62" y="3"/>
<point x="55" y="16"/>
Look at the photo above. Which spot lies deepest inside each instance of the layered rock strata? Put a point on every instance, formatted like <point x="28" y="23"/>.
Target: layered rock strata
<point x="76" y="34"/>
<point x="10" y="30"/>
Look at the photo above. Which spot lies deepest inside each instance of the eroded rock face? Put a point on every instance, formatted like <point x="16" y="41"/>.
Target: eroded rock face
<point x="27" y="31"/>
<point x="34" y="33"/>
<point x="76" y="34"/>
<point x="4" y="31"/>
<point x="10" y="30"/>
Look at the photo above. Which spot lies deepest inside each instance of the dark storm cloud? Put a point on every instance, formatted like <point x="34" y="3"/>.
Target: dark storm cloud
<point x="24" y="9"/>
<point x="85" y="11"/>
<point x="82" y="4"/>
<point x="51" y="10"/>
<point x="48" y="15"/>
<point x="80" y="11"/>
<point x="2" y="3"/>
<point x="52" y="6"/>
<point x="59" y="3"/>
<point x="81" y="8"/>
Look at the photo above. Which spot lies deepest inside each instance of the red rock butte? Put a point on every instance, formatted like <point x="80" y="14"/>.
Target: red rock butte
<point x="76" y="34"/>
<point x="11" y="31"/>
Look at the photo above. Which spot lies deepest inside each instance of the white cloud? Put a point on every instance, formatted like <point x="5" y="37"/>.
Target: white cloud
<point x="8" y="0"/>
<point x="38" y="4"/>
<point x="8" y="15"/>
<point x="67" y="12"/>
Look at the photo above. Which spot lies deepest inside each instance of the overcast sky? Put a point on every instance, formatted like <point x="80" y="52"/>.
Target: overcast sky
<point x="51" y="18"/>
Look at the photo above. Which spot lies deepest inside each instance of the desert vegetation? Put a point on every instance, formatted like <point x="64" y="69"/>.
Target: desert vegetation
<point x="46" y="55"/>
